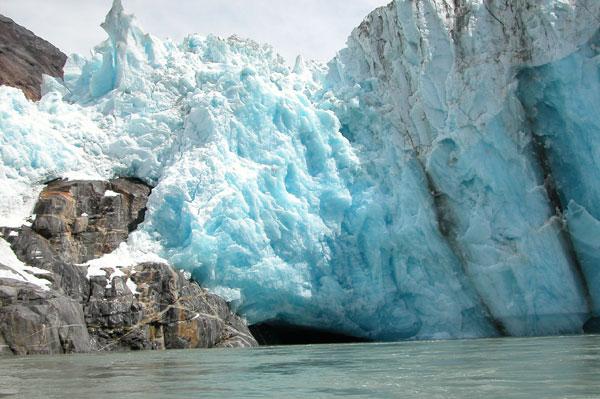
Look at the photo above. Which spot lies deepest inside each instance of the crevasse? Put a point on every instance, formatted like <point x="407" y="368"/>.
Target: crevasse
<point x="437" y="179"/>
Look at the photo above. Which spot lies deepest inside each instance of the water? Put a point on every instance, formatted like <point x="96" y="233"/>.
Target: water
<point x="559" y="367"/>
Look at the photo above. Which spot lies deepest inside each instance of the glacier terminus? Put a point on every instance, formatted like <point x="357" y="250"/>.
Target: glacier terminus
<point x="439" y="178"/>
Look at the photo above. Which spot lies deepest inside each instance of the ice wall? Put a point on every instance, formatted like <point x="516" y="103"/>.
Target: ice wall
<point x="562" y="100"/>
<point x="440" y="80"/>
<point x="399" y="193"/>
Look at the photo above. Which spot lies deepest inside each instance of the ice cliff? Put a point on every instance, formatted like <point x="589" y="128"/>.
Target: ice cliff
<point x="437" y="179"/>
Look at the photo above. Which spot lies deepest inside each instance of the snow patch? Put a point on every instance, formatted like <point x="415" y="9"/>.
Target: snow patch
<point x="18" y="202"/>
<point x="110" y="193"/>
<point x="121" y="262"/>
<point x="19" y="271"/>
<point x="79" y="175"/>
<point x="132" y="286"/>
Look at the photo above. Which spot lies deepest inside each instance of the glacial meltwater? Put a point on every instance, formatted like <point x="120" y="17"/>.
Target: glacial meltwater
<point x="558" y="367"/>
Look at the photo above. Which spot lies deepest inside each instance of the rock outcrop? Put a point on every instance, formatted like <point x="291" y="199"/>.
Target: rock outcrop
<point x="35" y="321"/>
<point x="24" y="58"/>
<point x="146" y="306"/>
<point x="166" y="312"/>
<point x="83" y="220"/>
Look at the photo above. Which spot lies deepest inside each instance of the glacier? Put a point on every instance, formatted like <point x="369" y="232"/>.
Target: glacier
<point x="437" y="179"/>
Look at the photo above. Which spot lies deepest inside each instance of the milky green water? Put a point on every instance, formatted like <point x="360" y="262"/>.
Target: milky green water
<point x="563" y="367"/>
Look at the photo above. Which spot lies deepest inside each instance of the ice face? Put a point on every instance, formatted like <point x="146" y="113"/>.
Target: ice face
<point x="444" y="91"/>
<point x="397" y="193"/>
<point x="563" y="101"/>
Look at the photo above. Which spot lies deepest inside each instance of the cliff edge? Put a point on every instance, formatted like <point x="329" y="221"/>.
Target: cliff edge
<point x="25" y="58"/>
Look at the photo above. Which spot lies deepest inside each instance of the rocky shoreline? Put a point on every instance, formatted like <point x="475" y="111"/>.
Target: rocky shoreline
<point x="53" y="304"/>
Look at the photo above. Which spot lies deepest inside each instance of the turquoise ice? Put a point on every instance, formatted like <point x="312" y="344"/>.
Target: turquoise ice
<point x="437" y="179"/>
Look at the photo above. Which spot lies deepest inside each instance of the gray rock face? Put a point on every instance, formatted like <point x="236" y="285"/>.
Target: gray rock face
<point x="75" y="222"/>
<point x="24" y="57"/>
<point x="34" y="250"/>
<point x="168" y="312"/>
<point x="83" y="220"/>
<point x="34" y="321"/>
